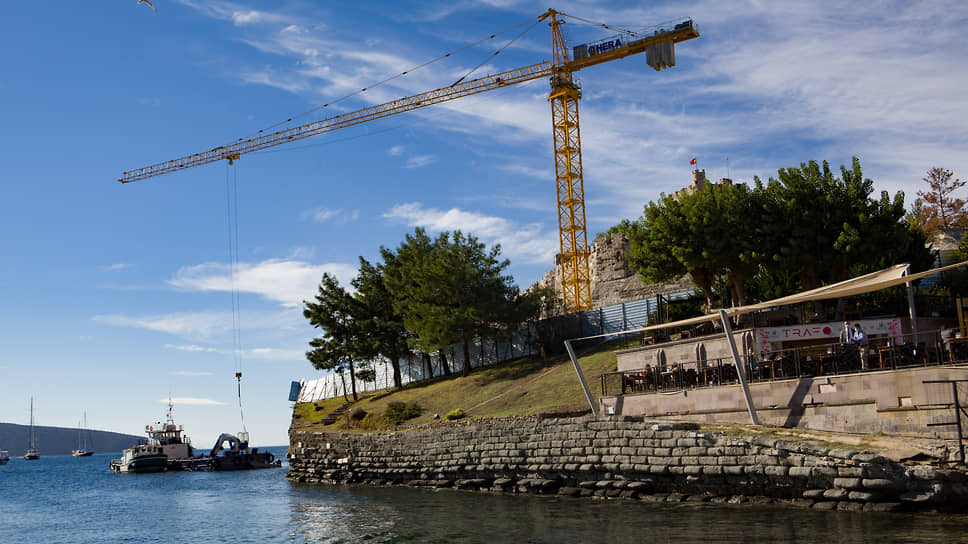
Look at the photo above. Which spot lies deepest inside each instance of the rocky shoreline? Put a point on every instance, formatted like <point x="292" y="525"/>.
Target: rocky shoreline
<point x="625" y="458"/>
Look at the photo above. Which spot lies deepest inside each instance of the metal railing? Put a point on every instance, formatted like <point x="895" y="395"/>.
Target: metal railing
<point x="906" y="351"/>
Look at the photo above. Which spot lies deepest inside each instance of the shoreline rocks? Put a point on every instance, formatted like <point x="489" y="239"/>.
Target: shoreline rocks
<point x="625" y="458"/>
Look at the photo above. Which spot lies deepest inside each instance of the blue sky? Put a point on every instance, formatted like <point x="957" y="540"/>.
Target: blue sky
<point x="116" y="296"/>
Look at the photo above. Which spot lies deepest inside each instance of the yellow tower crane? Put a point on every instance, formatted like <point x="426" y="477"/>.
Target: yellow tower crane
<point x="565" y="93"/>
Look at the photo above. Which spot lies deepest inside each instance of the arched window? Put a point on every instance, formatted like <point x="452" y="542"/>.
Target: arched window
<point x="701" y="354"/>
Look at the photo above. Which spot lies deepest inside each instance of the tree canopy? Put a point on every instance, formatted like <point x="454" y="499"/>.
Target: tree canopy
<point x="427" y="295"/>
<point x="939" y="209"/>
<point x="805" y="228"/>
<point x="452" y="290"/>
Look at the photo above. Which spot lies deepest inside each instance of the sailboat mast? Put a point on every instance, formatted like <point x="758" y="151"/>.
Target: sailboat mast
<point x="31" y="423"/>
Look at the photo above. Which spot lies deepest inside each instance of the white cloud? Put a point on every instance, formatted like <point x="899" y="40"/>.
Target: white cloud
<point x="191" y="401"/>
<point x="116" y="266"/>
<point x="287" y="282"/>
<point x="419" y="161"/>
<point x="275" y="354"/>
<point x="396" y="150"/>
<point x="190" y="373"/>
<point x="528" y="243"/>
<point x="857" y="87"/>
<point x="322" y="215"/>
<point x="191" y="347"/>
<point x="239" y="16"/>
<point x="186" y="324"/>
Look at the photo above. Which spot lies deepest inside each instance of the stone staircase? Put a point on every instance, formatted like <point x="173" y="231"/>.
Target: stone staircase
<point x="335" y="414"/>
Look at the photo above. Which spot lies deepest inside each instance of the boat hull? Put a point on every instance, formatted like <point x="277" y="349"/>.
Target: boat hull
<point x="31" y="456"/>
<point x="82" y="453"/>
<point x="141" y="464"/>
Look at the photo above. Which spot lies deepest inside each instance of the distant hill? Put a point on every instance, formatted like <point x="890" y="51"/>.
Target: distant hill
<point x="61" y="440"/>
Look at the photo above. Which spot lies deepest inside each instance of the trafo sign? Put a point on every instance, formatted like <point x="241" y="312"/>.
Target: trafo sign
<point x="767" y="335"/>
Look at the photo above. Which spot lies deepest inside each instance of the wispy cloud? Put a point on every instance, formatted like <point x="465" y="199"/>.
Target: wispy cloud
<point x="396" y="150"/>
<point x="275" y="354"/>
<point x="192" y="401"/>
<point x="191" y="347"/>
<point x="419" y="161"/>
<point x="529" y="243"/>
<point x="857" y="87"/>
<point x="190" y="373"/>
<point x="237" y="14"/>
<point x="323" y="215"/>
<point x="185" y="324"/>
<point x="286" y="282"/>
<point x="116" y="266"/>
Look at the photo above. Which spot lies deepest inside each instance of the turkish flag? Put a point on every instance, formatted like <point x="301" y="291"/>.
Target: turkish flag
<point x="693" y="161"/>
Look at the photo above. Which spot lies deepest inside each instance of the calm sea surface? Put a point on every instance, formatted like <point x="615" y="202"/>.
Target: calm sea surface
<point x="63" y="499"/>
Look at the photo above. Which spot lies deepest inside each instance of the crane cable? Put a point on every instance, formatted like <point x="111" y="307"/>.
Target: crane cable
<point x="496" y="53"/>
<point x="603" y="25"/>
<point x="232" y="212"/>
<point x="401" y="74"/>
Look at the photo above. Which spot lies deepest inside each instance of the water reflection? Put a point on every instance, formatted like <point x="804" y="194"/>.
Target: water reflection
<point x="340" y="514"/>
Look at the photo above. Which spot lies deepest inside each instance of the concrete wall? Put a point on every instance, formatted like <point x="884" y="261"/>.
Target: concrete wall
<point x="680" y="351"/>
<point x="621" y="457"/>
<point x="893" y="402"/>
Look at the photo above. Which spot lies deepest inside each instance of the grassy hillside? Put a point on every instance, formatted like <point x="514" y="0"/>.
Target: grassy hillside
<point x="524" y="386"/>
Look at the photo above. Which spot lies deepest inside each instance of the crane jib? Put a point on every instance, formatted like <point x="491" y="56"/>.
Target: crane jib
<point x="444" y="94"/>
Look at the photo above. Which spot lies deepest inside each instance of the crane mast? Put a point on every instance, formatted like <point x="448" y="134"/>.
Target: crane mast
<point x="564" y="97"/>
<point x="572" y="234"/>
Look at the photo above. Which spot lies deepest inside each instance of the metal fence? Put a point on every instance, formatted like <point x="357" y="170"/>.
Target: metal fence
<point x="831" y="359"/>
<point x="528" y="340"/>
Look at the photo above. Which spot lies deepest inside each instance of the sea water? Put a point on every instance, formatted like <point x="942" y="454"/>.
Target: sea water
<point x="79" y="500"/>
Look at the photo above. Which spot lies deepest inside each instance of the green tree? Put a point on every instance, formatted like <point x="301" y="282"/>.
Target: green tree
<point x="806" y="228"/>
<point x="335" y="312"/>
<point x="944" y="211"/>
<point x="705" y="233"/>
<point x="382" y="329"/>
<point x="414" y="254"/>
<point x="452" y="290"/>
<point x="661" y="247"/>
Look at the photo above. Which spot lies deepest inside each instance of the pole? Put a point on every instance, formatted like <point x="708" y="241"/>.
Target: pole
<point x="740" y="368"/>
<point x="913" y="313"/>
<point x="581" y="377"/>
<point x="961" y="444"/>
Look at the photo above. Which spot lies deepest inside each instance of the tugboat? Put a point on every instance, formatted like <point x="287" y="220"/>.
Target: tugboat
<point x="168" y="449"/>
<point x="140" y="458"/>
<point x="165" y="445"/>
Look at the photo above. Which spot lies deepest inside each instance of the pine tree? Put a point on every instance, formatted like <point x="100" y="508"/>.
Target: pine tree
<point x="944" y="211"/>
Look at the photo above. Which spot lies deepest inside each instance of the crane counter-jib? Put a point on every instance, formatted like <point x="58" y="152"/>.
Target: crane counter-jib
<point x="444" y="94"/>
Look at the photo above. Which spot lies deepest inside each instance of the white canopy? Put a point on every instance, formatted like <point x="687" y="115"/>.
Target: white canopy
<point x="875" y="281"/>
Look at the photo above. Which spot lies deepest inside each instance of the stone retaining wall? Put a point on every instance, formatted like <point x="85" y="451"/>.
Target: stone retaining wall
<point x="623" y="457"/>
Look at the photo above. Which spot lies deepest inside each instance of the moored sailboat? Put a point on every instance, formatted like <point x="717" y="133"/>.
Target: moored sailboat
<point x="31" y="454"/>
<point x="82" y="449"/>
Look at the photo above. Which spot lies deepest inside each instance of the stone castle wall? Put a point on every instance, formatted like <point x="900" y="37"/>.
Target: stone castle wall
<point x="622" y="457"/>
<point x="612" y="280"/>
